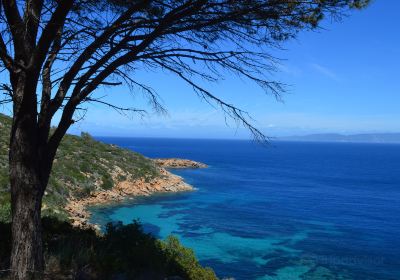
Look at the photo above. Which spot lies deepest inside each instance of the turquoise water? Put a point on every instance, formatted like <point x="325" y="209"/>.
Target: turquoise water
<point x="288" y="211"/>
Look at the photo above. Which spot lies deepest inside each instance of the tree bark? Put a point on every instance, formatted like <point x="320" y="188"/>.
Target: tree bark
<point x="27" y="254"/>
<point x="28" y="179"/>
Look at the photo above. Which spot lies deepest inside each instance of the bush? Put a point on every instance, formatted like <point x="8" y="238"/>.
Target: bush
<point x="5" y="212"/>
<point x="185" y="260"/>
<point x="107" y="182"/>
<point x="123" y="252"/>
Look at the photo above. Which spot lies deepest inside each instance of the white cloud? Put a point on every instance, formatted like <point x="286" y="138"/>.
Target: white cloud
<point x="290" y="69"/>
<point x="325" y="71"/>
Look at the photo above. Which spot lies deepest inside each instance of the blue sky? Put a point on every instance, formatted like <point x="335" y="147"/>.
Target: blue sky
<point x="343" y="79"/>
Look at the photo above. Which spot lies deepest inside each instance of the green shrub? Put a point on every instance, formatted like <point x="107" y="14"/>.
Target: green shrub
<point x="186" y="260"/>
<point x="4" y="182"/>
<point x="5" y="211"/>
<point x="123" y="252"/>
<point x="121" y="178"/>
<point x="83" y="191"/>
<point x="107" y="182"/>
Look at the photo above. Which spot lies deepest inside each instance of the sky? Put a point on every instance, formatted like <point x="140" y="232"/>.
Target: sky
<point x="343" y="78"/>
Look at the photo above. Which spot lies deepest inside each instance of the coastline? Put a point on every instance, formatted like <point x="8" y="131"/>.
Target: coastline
<point x="166" y="182"/>
<point x="177" y="163"/>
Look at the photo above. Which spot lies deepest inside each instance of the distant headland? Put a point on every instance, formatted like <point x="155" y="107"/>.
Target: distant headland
<point x="393" y="138"/>
<point x="178" y="163"/>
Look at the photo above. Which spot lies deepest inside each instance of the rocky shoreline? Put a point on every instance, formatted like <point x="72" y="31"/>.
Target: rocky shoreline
<point x="165" y="183"/>
<point x="178" y="163"/>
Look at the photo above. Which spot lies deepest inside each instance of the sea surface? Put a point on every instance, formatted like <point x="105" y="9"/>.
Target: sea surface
<point x="285" y="211"/>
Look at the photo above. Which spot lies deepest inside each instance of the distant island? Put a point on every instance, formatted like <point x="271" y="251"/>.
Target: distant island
<point x="393" y="138"/>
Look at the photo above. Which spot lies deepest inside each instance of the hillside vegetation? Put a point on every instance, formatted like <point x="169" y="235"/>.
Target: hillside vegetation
<point x="82" y="165"/>
<point x="122" y="252"/>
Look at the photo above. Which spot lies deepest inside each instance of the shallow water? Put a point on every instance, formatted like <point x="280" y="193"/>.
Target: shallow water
<point x="287" y="211"/>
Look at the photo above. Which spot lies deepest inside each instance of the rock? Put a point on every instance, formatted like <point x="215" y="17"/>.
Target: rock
<point x="167" y="182"/>
<point x="178" y="163"/>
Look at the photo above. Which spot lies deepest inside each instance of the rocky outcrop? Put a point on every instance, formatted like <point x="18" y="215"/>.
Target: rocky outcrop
<point x="166" y="182"/>
<point x="178" y="163"/>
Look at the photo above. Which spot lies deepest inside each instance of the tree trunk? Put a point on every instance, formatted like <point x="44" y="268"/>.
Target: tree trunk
<point x="27" y="255"/>
<point x="28" y="180"/>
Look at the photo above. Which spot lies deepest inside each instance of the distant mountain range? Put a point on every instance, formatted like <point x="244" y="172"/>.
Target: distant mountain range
<point x="356" y="138"/>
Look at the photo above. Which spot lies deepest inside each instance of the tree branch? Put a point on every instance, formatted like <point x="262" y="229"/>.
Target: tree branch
<point x="5" y="57"/>
<point x="15" y="23"/>
<point x="88" y="52"/>
<point x="49" y="33"/>
<point x="119" y="109"/>
<point x="231" y="110"/>
<point x="32" y="15"/>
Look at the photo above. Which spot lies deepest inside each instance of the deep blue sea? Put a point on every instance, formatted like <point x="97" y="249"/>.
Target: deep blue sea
<point x="285" y="211"/>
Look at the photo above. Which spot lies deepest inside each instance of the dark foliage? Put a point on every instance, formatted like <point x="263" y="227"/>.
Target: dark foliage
<point x="123" y="252"/>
